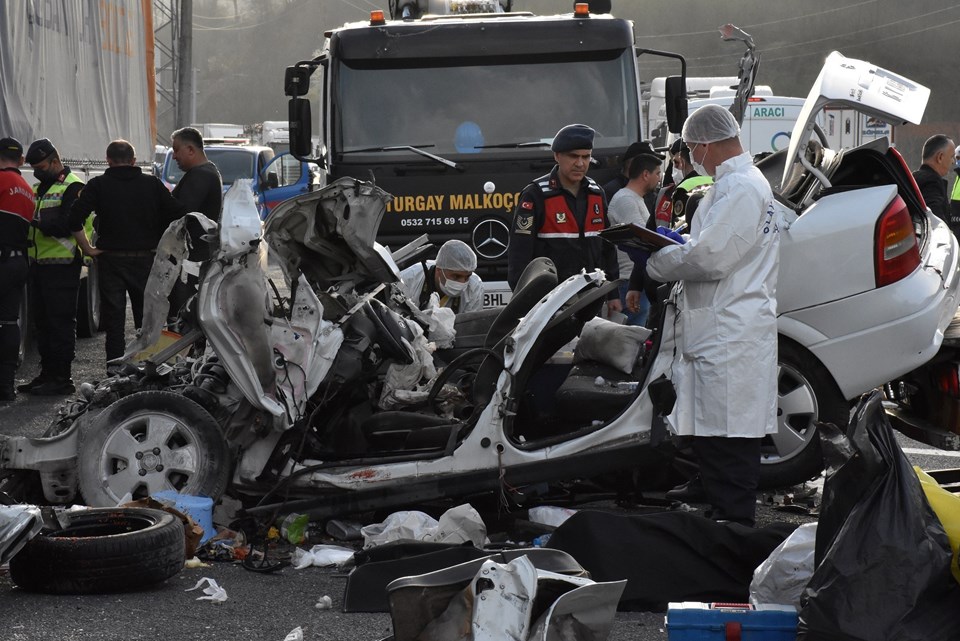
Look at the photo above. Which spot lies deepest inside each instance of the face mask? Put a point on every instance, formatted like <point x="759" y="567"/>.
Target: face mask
<point x="44" y="176"/>
<point x="452" y="288"/>
<point x="697" y="167"/>
<point x="677" y="176"/>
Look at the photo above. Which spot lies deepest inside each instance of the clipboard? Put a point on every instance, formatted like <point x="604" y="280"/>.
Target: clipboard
<point x="636" y="236"/>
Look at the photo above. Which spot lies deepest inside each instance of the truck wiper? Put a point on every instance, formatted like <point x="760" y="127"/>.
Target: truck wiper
<point x="417" y="150"/>
<point x="514" y="145"/>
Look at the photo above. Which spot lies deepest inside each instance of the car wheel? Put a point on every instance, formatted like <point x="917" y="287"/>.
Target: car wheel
<point x="807" y="394"/>
<point x="148" y="442"/>
<point x="88" y="304"/>
<point x="102" y="550"/>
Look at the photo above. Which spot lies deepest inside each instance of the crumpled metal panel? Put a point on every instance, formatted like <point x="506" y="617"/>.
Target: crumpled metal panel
<point x="329" y="235"/>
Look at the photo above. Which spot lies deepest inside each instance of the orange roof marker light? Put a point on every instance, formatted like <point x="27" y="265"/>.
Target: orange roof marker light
<point x="376" y="18"/>
<point x="581" y="10"/>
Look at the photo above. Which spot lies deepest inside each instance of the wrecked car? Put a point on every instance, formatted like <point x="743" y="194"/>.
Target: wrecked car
<point x="329" y="398"/>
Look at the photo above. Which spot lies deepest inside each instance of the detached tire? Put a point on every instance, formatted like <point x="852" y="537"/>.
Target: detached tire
<point x="88" y="303"/>
<point x="148" y="442"/>
<point x="102" y="550"/>
<point x="807" y="394"/>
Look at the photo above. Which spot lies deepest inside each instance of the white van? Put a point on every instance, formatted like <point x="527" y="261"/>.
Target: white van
<point x="698" y="87"/>
<point x="767" y="122"/>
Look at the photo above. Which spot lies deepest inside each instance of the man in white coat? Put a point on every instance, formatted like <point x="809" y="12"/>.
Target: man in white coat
<point x="725" y="361"/>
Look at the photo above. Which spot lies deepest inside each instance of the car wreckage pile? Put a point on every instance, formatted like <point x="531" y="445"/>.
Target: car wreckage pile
<point x="332" y="394"/>
<point x="338" y="396"/>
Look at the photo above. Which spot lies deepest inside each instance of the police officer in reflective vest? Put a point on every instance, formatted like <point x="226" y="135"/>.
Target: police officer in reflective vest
<point x="560" y="216"/>
<point x="54" y="270"/>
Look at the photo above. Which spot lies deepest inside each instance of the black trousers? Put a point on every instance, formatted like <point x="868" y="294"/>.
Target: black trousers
<point x="730" y="469"/>
<point x="121" y="276"/>
<point x="53" y="289"/>
<point x="13" y="276"/>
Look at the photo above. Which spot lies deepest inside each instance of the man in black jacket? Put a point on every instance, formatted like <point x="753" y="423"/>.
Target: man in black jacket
<point x="937" y="162"/>
<point x="201" y="187"/>
<point x="560" y="216"/>
<point x="133" y="210"/>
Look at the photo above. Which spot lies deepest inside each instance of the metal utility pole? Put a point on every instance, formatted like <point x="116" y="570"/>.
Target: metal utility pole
<point x="166" y="38"/>
<point x="185" y="64"/>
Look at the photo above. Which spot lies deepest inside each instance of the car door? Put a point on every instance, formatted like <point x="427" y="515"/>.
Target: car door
<point x="282" y="178"/>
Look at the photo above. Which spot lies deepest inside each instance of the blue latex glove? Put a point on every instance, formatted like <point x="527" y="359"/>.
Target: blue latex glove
<point x="636" y="254"/>
<point x="669" y="233"/>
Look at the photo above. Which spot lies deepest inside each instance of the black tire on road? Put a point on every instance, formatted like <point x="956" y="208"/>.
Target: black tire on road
<point x="807" y="394"/>
<point x="102" y="550"/>
<point x="88" y="304"/>
<point x="148" y="442"/>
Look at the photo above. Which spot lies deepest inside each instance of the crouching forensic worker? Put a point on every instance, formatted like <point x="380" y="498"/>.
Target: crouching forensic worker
<point x="725" y="364"/>
<point x="451" y="276"/>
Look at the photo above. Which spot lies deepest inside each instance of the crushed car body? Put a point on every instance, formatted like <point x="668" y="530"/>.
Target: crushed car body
<point x="330" y="396"/>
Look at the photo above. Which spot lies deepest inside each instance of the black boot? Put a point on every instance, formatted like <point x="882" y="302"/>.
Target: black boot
<point x="56" y="386"/>
<point x="689" y="492"/>
<point x="39" y="380"/>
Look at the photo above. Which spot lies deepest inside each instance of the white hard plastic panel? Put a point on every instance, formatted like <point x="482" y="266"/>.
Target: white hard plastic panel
<point x="847" y="82"/>
<point x="873" y="90"/>
<point x="240" y="226"/>
<point x="233" y="322"/>
<point x="827" y="253"/>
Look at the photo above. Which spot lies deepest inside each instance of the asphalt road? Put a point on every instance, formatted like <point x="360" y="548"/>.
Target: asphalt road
<point x="259" y="607"/>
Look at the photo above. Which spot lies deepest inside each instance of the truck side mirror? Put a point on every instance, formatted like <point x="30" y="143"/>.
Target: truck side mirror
<point x="272" y="181"/>
<point x="296" y="81"/>
<point x="675" y="103"/>
<point x="301" y="143"/>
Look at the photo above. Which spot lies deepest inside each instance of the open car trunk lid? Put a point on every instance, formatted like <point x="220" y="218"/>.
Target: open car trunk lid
<point x="860" y="85"/>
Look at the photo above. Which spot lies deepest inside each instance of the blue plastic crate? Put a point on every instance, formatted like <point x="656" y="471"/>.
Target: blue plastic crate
<point x="694" y="621"/>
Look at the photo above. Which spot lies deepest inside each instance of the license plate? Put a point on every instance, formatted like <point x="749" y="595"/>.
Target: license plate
<point x="496" y="294"/>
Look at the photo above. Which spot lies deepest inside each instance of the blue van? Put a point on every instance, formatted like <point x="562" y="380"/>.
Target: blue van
<point x="276" y="177"/>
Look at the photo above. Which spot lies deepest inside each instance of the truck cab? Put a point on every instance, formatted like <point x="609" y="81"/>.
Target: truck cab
<point x="276" y="177"/>
<point x="454" y="115"/>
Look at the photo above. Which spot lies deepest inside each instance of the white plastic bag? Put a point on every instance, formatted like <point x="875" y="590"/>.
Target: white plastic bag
<point x="550" y="515"/>
<point x="457" y="525"/>
<point x="321" y="556"/>
<point x="780" y="579"/>
<point x="213" y="591"/>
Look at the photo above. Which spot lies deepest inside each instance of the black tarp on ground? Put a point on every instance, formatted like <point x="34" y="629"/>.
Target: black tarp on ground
<point x="882" y="557"/>
<point x="668" y="556"/>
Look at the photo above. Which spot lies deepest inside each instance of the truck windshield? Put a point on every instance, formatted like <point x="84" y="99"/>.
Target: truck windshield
<point x="232" y="163"/>
<point x="489" y="108"/>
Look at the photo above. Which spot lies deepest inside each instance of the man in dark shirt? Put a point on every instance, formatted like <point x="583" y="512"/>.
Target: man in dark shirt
<point x="16" y="213"/>
<point x="201" y="187"/>
<point x="133" y="210"/>
<point x="937" y="161"/>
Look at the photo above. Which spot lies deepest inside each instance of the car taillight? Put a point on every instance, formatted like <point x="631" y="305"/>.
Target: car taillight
<point x="948" y="381"/>
<point x="908" y="174"/>
<point x="895" y="244"/>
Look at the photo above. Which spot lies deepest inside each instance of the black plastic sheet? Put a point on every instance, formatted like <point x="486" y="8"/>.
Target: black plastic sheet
<point x="882" y="557"/>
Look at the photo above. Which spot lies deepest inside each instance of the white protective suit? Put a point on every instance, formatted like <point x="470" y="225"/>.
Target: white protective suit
<point x="412" y="282"/>
<point x="725" y="365"/>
